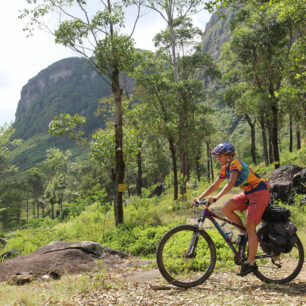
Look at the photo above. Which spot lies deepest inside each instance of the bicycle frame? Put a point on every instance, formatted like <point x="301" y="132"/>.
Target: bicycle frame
<point x="212" y="216"/>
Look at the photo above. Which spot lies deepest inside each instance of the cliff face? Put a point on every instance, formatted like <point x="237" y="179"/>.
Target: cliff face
<point x="72" y="86"/>
<point x="48" y="78"/>
<point x="67" y="86"/>
<point x="217" y="32"/>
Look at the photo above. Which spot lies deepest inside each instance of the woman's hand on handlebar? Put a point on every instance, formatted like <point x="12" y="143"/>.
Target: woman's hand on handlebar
<point x="195" y="201"/>
<point x="212" y="200"/>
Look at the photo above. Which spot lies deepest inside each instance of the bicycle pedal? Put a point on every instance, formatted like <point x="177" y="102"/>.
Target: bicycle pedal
<point x="241" y="240"/>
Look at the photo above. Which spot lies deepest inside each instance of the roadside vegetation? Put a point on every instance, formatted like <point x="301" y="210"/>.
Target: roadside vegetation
<point x="147" y="220"/>
<point x="160" y="133"/>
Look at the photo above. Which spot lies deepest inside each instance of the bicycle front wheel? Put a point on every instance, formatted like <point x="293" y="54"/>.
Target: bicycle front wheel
<point x="281" y="268"/>
<point x="186" y="256"/>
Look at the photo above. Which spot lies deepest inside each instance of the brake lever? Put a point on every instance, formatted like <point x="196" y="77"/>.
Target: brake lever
<point x="203" y="202"/>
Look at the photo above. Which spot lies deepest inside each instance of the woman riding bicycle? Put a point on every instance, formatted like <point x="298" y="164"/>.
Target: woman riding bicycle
<point x="254" y="198"/>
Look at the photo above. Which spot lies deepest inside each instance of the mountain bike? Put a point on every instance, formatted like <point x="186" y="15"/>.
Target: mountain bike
<point x="186" y="255"/>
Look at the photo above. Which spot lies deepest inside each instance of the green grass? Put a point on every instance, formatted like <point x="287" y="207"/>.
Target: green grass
<point x="146" y="221"/>
<point x="46" y="293"/>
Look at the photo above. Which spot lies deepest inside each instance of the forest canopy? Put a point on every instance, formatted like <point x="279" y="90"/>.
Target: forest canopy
<point x="183" y="102"/>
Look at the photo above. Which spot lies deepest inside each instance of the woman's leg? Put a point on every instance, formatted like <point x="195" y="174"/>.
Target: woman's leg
<point x="258" y="202"/>
<point x="229" y="211"/>
<point x="252" y="240"/>
<point x="249" y="266"/>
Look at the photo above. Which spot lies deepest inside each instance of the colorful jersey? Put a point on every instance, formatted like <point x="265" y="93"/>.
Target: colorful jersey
<point x="247" y="179"/>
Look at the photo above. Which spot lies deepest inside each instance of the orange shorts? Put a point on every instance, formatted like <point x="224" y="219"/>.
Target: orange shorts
<point x="258" y="202"/>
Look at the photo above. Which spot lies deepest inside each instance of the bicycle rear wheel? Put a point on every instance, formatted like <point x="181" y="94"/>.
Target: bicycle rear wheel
<point x="281" y="268"/>
<point x="186" y="256"/>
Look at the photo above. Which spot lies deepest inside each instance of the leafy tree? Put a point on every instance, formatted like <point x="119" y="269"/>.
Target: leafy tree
<point x="68" y="125"/>
<point x="102" y="148"/>
<point x="35" y="182"/>
<point x="12" y="194"/>
<point x="54" y="192"/>
<point x="178" y="33"/>
<point x="58" y="164"/>
<point x="194" y="71"/>
<point x="98" y="38"/>
<point x="192" y="67"/>
<point x="157" y="103"/>
<point x="10" y="209"/>
<point x="256" y="57"/>
<point x="292" y="94"/>
<point x="102" y="143"/>
<point x="6" y="144"/>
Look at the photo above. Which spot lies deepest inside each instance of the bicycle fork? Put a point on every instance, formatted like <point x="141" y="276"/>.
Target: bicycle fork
<point x="192" y="246"/>
<point x="194" y="240"/>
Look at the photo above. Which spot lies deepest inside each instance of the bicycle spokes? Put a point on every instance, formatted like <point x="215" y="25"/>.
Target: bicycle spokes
<point x="281" y="268"/>
<point x="185" y="256"/>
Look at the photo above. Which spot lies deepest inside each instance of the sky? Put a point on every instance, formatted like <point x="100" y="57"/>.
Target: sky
<point x="22" y="58"/>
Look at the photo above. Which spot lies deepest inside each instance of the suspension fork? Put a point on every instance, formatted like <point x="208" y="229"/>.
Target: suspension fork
<point x="194" y="239"/>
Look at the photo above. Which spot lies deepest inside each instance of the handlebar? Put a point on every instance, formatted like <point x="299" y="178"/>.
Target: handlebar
<point x="203" y="202"/>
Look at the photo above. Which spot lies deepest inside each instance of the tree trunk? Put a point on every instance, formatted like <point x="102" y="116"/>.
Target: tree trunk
<point x="119" y="160"/>
<point x="52" y="210"/>
<point x="182" y="152"/>
<point x="174" y="168"/>
<point x="34" y="211"/>
<point x="211" y="168"/>
<point x="298" y="136"/>
<point x="27" y="210"/>
<point x="183" y="170"/>
<point x="173" y="45"/>
<point x="264" y="140"/>
<point x="43" y="209"/>
<point x="188" y="169"/>
<point x="139" y="183"/>
<point x="274" y="135"/>
<point x="159" y="166"/>
<point x="61" y="205"/>
<point x="37" y="205"/>
<point x="197" y="168"/>
<point x="183" y="141"/>
<point x="253" y="143"/>
<point x="120" y="165"/>
<point x="270" y="142"/>
<point x="208" y="160"/>
<point x="290" y="134"/>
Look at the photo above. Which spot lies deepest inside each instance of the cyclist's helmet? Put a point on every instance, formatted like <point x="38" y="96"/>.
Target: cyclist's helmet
<point x="224" y="148"/>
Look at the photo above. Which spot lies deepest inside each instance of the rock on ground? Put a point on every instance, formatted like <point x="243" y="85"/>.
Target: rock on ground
<point x="286" y="181"/>
<point x="58" y="258"/>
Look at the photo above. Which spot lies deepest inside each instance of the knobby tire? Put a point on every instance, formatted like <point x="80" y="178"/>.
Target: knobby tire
<point x="173" y="263"/>
<point x="290" y="265"/>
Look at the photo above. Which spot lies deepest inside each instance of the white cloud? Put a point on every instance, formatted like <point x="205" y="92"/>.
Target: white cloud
<point x="23" y="58"/>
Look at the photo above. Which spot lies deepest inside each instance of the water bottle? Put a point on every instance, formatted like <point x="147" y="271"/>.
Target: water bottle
<point x="228" y="232"/>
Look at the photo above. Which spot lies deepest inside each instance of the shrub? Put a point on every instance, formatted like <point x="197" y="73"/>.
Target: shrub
<point x="298" y="211"/>
<point x="137" y="241"/>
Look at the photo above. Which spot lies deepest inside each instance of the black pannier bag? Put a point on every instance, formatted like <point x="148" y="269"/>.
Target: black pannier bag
<point x="276" y="214"/>
<point x="277" y="237"/>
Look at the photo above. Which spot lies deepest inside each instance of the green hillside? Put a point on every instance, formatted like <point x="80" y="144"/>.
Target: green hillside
<point x="67" y="86"/>
<point x="71" y="86"/>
